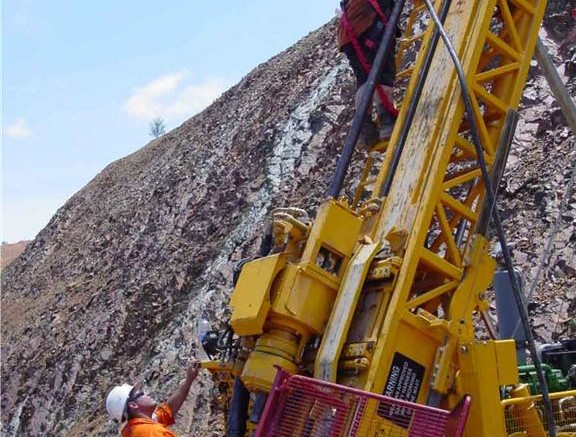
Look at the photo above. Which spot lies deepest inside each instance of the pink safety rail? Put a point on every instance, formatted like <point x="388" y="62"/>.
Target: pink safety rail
<point x="304" y="407"/>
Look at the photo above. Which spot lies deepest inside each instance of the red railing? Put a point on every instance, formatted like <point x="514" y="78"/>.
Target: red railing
<point x="303" y="407"/>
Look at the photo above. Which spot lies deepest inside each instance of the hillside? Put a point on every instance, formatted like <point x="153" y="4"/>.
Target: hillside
<point x="111" y="289"/>
<point x="11" y="251"/>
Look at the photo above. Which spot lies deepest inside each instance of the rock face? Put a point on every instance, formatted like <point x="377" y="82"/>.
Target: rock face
<point x="111" y="290"/>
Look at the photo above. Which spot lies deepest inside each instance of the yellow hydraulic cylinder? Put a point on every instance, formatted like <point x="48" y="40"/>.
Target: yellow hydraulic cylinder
<point x="275" y="348"/>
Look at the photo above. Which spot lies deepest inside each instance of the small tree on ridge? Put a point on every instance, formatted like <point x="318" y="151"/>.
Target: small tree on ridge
<point x="157" y="127"/>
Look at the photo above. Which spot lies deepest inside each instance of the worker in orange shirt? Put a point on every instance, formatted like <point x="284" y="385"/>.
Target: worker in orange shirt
<point x="140" y="414"/>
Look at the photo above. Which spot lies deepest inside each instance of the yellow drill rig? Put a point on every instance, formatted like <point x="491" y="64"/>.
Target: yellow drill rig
<point x="364" y="321"/>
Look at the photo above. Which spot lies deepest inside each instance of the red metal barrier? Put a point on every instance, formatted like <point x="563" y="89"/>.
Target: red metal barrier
<point x="303" y="407"/>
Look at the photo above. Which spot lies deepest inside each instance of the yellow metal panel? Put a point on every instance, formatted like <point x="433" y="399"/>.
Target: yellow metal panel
<point x="304" y="299"/>
<point x="335" y="227"/>
<point x="311" y="300"/>
<point x="411" y="362"/>
<point x="479" y="377"/>
<point x="250" y="299"/>
<point x="507" y="362"/>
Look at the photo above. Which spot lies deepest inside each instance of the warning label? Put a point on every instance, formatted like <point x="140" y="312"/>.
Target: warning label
<point x="404" y="382"/>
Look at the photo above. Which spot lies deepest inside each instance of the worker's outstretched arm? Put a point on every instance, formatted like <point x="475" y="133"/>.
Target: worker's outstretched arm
<point x="178" y="398"/>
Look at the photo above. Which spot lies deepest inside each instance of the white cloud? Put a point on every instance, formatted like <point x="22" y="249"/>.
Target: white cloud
<point x="18" y="129"/>
<point x="173" y="97"/>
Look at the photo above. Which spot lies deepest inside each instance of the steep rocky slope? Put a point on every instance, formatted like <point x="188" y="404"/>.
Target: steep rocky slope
<point x="112" y="288"/>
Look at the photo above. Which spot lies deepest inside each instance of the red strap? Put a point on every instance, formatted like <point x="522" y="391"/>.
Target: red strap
<point x="379" y="11"/>
<point x="364" y="62"/>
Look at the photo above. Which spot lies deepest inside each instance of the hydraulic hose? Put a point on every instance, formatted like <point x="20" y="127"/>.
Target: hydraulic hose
<point x="238" y="412"/>
<point x="523" y="312"/>
<point x="354" y="133"/>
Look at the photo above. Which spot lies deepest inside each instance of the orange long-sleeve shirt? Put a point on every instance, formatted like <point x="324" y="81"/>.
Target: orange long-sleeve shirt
<point x="143" y="427"/>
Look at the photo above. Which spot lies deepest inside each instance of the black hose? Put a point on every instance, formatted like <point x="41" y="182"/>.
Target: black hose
<point x="238" y="410"/>
<point x="498" y="223"/>
<point x="240" y="401"/>
<point x="258" y="406"/>
<point x="364" y="103"/>
<point x="266" y="243"/>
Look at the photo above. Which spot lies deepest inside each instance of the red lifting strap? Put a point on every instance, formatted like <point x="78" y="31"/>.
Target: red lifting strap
<point x="362" y="58"/>
<point x="379" y="11"/>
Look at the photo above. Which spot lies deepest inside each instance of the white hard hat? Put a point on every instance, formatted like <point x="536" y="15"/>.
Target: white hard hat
<point x="116" y="401"/>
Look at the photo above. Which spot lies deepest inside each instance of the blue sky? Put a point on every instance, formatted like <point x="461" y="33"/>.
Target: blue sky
<point x="81" y="81"/>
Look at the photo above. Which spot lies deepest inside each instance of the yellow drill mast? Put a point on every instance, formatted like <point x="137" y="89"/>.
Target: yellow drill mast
<point x="382" y="292"/>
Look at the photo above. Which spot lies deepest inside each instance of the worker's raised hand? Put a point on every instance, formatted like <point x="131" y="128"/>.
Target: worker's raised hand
<point x="193" y="369"/>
